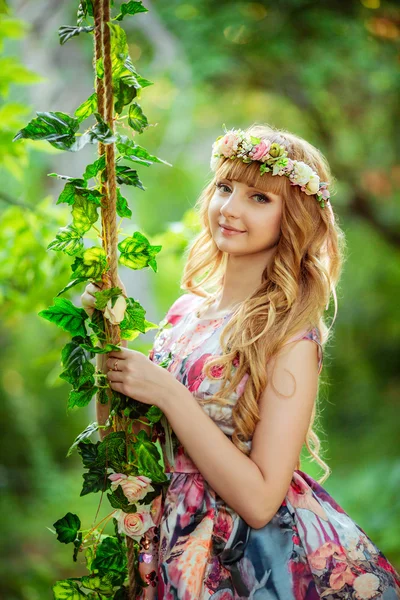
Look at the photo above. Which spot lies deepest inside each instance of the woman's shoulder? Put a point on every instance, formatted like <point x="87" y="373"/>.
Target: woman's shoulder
<point x="314" y="335"/>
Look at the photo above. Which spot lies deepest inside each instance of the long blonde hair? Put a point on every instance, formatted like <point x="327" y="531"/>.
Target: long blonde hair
<point x="296" y="286"/>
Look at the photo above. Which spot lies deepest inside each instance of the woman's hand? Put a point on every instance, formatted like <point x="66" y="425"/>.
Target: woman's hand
<point x="88" y="299"/>
<point x="139" y="378"/>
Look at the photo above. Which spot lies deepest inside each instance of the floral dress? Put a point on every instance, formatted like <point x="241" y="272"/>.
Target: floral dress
<point x="203" y="549"/>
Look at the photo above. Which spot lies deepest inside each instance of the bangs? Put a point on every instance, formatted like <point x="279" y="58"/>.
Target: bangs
<point x="249" y="173"/>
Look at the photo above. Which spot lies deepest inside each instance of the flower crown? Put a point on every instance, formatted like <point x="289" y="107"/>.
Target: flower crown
<point x="237" y="143"/>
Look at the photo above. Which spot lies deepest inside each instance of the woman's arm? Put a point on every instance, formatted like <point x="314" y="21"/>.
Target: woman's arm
<point x="254" y="486"/>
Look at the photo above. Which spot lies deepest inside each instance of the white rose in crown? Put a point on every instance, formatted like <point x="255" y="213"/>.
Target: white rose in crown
<point x="312" y="186"/>
<point x="301" y="173"/>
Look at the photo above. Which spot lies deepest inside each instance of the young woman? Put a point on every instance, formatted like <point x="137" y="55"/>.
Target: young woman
<point x="240" y="519"/>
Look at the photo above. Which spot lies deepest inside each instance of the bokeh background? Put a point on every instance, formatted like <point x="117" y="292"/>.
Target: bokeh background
<point x="326" y="71"/>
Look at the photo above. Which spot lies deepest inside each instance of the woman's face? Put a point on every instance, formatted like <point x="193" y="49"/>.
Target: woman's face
<point x="254" y="212"/>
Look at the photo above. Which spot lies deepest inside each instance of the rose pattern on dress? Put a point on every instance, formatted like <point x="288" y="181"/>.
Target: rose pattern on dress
<point x="310" y="549"/>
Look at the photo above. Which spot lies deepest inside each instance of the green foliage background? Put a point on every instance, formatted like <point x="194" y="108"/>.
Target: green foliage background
<point x="328" y="72"/>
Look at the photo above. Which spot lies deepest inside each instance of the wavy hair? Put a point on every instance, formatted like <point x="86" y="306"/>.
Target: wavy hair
<point x="296" y="286"/>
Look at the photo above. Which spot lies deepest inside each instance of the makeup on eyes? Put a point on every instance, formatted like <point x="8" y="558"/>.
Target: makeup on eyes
<point x="267" y="200"/>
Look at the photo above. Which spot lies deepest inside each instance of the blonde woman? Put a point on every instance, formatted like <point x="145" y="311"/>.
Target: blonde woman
<point x="242" y="351"/>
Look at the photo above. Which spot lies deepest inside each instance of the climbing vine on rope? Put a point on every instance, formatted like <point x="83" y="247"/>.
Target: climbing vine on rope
<point x="127" y="463"/>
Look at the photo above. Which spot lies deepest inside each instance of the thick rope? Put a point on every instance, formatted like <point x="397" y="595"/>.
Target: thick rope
<point x="105" y="105"/>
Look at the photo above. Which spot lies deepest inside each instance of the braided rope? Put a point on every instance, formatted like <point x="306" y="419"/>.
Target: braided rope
<point x="105" y="105"/>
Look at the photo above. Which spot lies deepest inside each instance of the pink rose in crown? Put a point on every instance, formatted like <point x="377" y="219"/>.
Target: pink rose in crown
<point x="135" y="524"/>
<point x="134" y="488"/>
<point x="228" y="144"/>
<point x="261" y="150"/>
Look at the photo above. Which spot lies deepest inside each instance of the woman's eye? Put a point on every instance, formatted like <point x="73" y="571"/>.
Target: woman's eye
<point x="221" y="185"/>
<point x="265" y="199"/>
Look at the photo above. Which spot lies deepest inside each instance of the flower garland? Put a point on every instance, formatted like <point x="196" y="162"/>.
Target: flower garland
<point x="273" y="157"/>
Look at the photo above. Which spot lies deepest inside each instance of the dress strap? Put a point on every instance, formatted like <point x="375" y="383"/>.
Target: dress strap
<point x="315" y="336"/>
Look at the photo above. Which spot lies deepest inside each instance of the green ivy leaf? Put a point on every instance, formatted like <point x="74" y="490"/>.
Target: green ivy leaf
<point x="67" y="195"/>
<point x="148" y="457"/>
<point x="68" y="240"/>
<point x="77" y="546"/>
<point x="112" y="451"/>
<point x="87" y="108"/>
<point x="84" y="214"/>
<point x="67" y="589"/>
<point x="57" y="128"/>
<point x="128" y="176"/>
<point x="154" y="414"/>
<point x="85" y="8"/>
<point x="67" y="528"/>
<point x="67" y="316"/>
<point x="137" y="252"/>
<point x="84" y="435"/>
<point x="136" y="119"/>
<point x="91" y="264"/>
<point x="100" y="68"/>
<point x="123" y="209"/>
<point x="101" y="584"/>
<point x="95" y="480"/>
<point x="131" y="151"/>
<point x="104" y="296"/>
<point x="67" y="32"/>
<point x="89" y="453"/>
<point x="71" y="284"/>
<point x="134" y="321"/>
<point x="124" y="92"/>
<point x="101" y="350"/>
<point x="74" y="358"/>
<point x="102" y="396"/>
<point x="101" y="132"/>
<point x="96" y="323"/>
<point x="110" y="556"/>
<point x="80" y="398"/>
<point x="130" y="8"/>
<point x="94" y="168"/>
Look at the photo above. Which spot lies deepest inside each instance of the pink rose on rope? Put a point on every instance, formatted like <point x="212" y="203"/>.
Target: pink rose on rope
<point x="134" y="488"/>
<point x="261" y="150"/>
<point x="135" y="524"/>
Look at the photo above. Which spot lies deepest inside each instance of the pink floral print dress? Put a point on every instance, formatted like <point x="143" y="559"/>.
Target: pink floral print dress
<point x="202" y="549"/>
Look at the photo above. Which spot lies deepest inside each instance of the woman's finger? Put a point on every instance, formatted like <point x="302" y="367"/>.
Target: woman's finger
<point x="91" y="288"/>
<point x="115" y="377"/>
<point x="110" y="363"/>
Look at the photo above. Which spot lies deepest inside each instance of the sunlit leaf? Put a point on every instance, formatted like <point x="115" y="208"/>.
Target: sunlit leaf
<point x="130" y="8"/>
<point x="67" y="316"/>
<point x="137" y="252"/>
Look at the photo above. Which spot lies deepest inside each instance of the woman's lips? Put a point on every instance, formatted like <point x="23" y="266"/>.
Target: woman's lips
<point x="228" y="232"/>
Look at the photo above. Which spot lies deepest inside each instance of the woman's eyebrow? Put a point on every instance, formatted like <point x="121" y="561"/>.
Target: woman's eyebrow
<point x="250" y="188"/>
